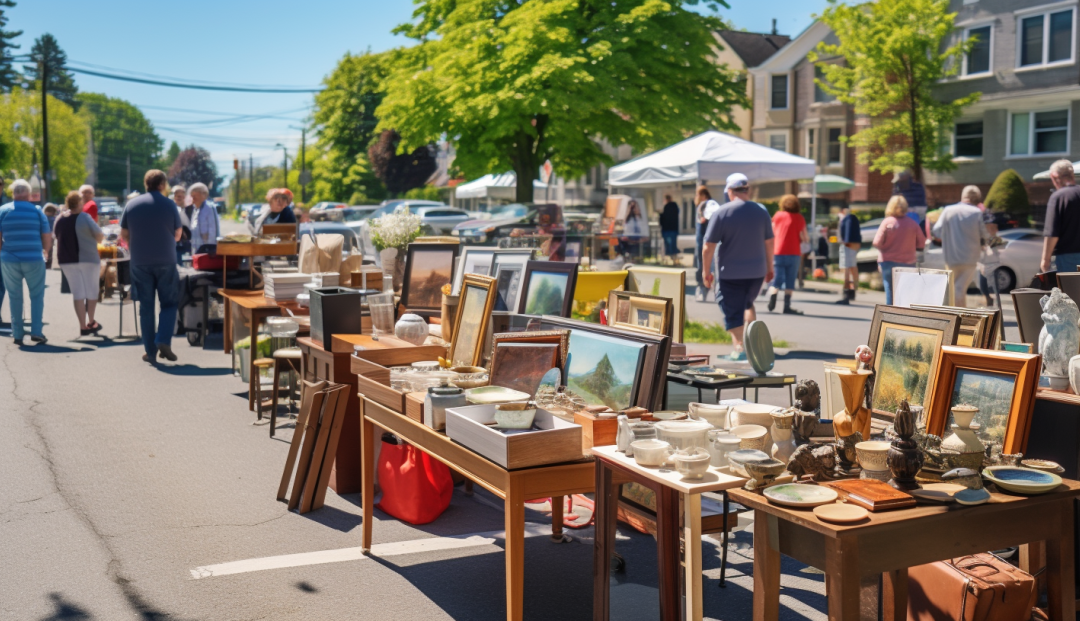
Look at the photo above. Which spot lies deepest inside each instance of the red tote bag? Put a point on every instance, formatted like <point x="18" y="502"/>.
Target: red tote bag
<point x="415" y="487"/>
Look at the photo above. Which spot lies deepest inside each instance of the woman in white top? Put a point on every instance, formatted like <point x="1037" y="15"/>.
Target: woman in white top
<point x="77" y="237"/>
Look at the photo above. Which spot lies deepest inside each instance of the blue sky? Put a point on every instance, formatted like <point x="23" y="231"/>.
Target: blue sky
<point x="270" y="42"/>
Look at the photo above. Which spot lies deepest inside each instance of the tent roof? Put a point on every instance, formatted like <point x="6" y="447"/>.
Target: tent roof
<point x="478" y="188"/>
<point x="710" y="156"/>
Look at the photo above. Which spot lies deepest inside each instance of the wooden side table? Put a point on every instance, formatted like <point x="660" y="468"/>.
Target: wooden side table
<point x="613" y="468"/>
<point x="252" y="250"/>
<point x="888" y="543"/>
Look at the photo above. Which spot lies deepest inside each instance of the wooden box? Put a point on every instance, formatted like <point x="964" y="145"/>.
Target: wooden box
<point x="596" y="431"/>
<point x="374" y="279"/>
<point x="557" y="441"/>
<point x="372" y="369"/>
<point x="414" y="406"/>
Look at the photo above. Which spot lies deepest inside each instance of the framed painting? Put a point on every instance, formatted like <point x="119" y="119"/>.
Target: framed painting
<point x="638" y="311"/>
<point x="665" y="282"/>
<point x="979" y="327"/>
<point x="604" y="370"/>
<point x="906" y="342"/>
<point x="508" y="269"/>
<point x="557" y="337"/>
<point x="471" y="323"/>
<point x="473" y="260"/>
<point x="591" y="293"/>
<point x="548" y="288"/>
<point x="427" y="268"/>
<point x="521" y="366"/>
<point x="1001" y="384"/>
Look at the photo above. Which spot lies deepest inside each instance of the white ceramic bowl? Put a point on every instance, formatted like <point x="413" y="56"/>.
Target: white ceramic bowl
<point x="650" y="453"/>
<point x="714" y="414"/>
<point x="684" y="434"/>
<point x="752" y="414"/>
<point x="872" y="455"/>
<point x="692" y="464"/>
<point x="751" y="436"/>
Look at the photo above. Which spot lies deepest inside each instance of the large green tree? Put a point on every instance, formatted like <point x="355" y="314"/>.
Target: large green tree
<point x="893" y="55"/>
<point x="47" y="54"/>
<point x="9" y="76"/>
<point x="514" y="84"/>
<point x="20" y="134"/>
<point x="119" y="131"/>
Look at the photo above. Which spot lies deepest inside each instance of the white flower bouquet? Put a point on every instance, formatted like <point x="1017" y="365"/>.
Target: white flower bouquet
<point x="395" y="230"/>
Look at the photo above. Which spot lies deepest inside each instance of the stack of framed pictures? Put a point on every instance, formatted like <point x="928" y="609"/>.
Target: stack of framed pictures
<point x="473" y="260"/>
<point x="979" y="327"/>
<point x="427" y="268"/>
<point x="508" y="270"/>
<point x="664" y="282"/>
<point x="637" y="311"/>
<point x="548" y="288"/>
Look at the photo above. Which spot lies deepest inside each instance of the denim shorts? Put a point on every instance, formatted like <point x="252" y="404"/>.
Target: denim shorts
<point x="848" y="257"/>
<point x="735" y="296"/>
<point x="786" y="267"/>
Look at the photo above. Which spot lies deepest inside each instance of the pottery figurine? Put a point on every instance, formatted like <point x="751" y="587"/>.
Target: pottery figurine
<point x="816" y="460"/>
<point x="783" y="440"/>
<point x="904" y="457"/>
<point x="803" y="427"/>
<point x="1059" y="339"/>
<point x="411" y="329"/>
<point x="808" y="396"/>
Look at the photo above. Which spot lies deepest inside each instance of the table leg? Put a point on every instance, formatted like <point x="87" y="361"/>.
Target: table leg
<point x="228" y="325"/>
<point x="1033" y="560"/>
<point x="514" y="516"/>
<point x="557" y="518"/>
<point x="667" y="551"/>
<point x="367" y="477"/>
<point x="894" y="595"/>
<point x="692" y="555"/>
<point x="1060" y="571"/>
<point x="791" y="394"/>
<point x="842" y="579"/>
<point x="604" y="543"/>
<point x="766" y="568"/>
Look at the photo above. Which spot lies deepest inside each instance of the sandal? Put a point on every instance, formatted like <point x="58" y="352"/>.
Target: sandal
<point x="94" y="327"/>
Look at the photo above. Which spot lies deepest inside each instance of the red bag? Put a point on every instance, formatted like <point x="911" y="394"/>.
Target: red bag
<point x="415" y="487"/>
<point x="213" y="262"/>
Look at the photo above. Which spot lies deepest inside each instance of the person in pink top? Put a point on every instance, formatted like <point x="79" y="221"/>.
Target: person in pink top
<point x="898" y="240"/>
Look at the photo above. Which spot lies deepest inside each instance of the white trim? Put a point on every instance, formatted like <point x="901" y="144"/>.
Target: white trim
<point x="786" y="133"/>
<point x="787" y="90"/>
<point x="1045" y="12"/>
<point x="964" y="62"/>
<point x="843" y="147"/>
<point x="1045" y="7"/>
<point x="1009" y="155"/>
<point x="807" y="143"/>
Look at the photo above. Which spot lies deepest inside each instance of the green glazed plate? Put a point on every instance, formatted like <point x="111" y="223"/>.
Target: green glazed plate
<point x="759" y="348"/>
<point x="800" y="495"/>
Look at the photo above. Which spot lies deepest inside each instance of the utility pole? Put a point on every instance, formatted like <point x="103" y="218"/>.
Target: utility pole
<point x="285" y="165"/>
<point x="127" y="191"/>
<point x="45" y="123"/>
<point x="251" y="176"/>
<point x="303" y="167"/>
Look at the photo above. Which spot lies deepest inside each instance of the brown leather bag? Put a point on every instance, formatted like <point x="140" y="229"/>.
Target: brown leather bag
<point x="980" y="587"/>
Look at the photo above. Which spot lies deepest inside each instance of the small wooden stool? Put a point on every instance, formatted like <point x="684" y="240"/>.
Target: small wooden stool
<point x="289" y="357"/>
<point x="255" y="384"/>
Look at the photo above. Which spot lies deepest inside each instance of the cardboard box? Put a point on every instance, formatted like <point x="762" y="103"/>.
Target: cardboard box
<point x="557" y="441"/>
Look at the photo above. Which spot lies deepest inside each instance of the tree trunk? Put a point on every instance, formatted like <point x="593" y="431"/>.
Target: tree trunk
<point x="526" y="167"/>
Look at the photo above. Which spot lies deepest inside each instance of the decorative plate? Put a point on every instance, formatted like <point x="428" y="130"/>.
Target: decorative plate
<point x="494" y="394"/>
<point x="759" y="347"/>
<point x="707" y="371"/>
<point x="940" y="492"/>
<point x="691" y="359"/>
<point x="1043" y="464"/>
<point x="1022" y="480"/>
<point x="800" y="495"/>
<point x="972" y="496"/>
<point x="840" y="513"/>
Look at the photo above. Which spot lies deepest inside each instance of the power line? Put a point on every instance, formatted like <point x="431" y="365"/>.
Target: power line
<point x="212" y="113"/>
<point x="192" y="85"/>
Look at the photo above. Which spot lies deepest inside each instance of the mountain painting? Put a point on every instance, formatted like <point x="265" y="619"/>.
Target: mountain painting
<point x="603" y="370"/>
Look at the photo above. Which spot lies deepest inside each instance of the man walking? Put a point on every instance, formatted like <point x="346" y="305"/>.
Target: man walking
<point x="850" y="241"/>
<point x="204" y="228"/>
<point x="706" y="207"/>
<point x="669" y="227"/>
<point x="89" y="206"/>
<point x="1061" y="232"/>
<point x="743" y="230"/>
<point x="151" y="227"/>
<point x="962" y="233"/>
<point x="25" y="240"/>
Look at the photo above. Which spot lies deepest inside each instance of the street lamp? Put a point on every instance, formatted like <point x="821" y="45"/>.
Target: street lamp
<point x="285" y="162"/>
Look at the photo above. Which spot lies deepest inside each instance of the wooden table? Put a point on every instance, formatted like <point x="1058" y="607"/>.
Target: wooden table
<point x="888" y="543"/>
<point x="614" y="468"/>
<point x="513" y="486"/>
<point x="704" y="382"/>
<point x="252" y="250"/>
<point x="258" y="307"/>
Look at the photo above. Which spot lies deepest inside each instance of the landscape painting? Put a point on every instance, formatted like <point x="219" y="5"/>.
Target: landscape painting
<point x="664" y="282"/>
<point x="649" y="319"/>
<point x="546" y="294"/>
<point x="989" y="391"/>
<point x="905" y="357"/>
<point x="430" y="270"/>
<point x="603" y="370"/>
<point x="521" y="366"/>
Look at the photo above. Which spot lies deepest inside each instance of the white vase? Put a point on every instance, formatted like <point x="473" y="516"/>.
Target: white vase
<point x="963" y="439"/>
<point x="411" y="329"/>
<point x="1074" y="374"/>
<point x="393" y="266"/>
<point x="782" y="438"/>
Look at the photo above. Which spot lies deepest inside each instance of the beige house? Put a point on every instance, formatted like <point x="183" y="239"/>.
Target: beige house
<point x="741" y="51"/>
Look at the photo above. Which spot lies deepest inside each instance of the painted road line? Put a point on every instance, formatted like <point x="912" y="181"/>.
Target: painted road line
<point x="415" y="546"/>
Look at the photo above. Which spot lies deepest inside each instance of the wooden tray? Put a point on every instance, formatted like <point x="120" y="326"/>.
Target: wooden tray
<point x="871" y="494"/>
<point x="373" y="378"/>
<point x="557" y="441"/>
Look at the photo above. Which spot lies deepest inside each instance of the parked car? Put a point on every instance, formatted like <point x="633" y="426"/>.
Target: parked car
<point x="327" y="205"/>
<point x="440" y="218"/>
<point x="410" y="202"/>
<point x="499" y="224"/>
<point x="108" y="212"/>
<point x="352" y="241"/>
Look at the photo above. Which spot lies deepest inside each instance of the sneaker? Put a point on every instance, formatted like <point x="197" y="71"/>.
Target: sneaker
<point x="166" y="352"/>
<point x="736" y="355"/>
<point x="39" y="339"/>
<point x="772" y="302"/>
<point x="791" y="311"/>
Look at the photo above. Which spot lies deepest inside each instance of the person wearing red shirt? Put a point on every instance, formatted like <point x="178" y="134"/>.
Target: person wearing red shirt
<point x="789" y="229"/>
<point x="89" y="206"/>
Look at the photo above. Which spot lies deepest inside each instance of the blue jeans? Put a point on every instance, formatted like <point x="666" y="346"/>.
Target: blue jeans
<point x="1067" y="262"/>
<point x="164" y="281"/>
<point x="886" y="268"/>
<point x="671" y="242"/>
<point x="33" y="272"/>
<point x="786" y="267"/>
<point x="2" y="289"/>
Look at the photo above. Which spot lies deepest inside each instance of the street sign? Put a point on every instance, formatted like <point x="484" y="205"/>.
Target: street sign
<point x="545" y="171"/>
<point x="305" y="177"/>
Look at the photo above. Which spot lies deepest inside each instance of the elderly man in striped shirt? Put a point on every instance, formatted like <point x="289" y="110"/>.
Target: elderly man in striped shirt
<point x="25" y="240"/>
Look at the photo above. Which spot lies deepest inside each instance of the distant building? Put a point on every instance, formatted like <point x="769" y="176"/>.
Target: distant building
<point x="741" y="51"/>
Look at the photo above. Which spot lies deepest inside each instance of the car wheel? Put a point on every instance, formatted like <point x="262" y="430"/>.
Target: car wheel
<point x="1005" y="278"/>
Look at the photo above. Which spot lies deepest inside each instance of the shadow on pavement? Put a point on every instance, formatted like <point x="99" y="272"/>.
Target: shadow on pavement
<point x="65" y="610"/>
<point x="799" y="354"/>
<point x="29" y="347"/>
<point x="192" y="370"/>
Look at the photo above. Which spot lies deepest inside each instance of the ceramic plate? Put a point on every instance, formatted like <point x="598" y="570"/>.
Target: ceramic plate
<point x="940" y="492"/>
<point x="1022" y="480"/>
<point x="840" y="513"/>
<point x="494" y="394"/>
<point x="1044" y="465"/>
<point x="972" y="496"/>
<point x="759" y="347"/>
<point x="800" y="495"/>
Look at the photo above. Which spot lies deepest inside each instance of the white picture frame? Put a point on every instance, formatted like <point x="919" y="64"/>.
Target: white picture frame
<point x="472" y="260"/>
<point x="914" y="285"/>
<point x="510" y="260"/>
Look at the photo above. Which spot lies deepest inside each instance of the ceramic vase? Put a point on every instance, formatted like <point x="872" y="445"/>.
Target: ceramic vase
<point x="963" y="438"/>
<point x="393" y="266"/>
<point x="1074" y="374"/>
<point x="783" y="440"/>
<point x="411" y="329"/>
<point x="1059" y="339"/>
<point x="854" y="417"/>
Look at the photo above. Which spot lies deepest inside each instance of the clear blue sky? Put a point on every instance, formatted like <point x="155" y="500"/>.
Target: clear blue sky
<point x="271" y="42"/>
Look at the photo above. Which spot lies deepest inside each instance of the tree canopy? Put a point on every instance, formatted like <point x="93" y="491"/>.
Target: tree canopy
<point x="512" y="85"/>
<point x="893" y="56"/>
<point x="20" y="133"/>
<point x="194" y="165"/>
<point x="61" y="82"/>
<point x="9" y="77"/>
<point x="401" y="172"/>
<point x="119" y="130"/>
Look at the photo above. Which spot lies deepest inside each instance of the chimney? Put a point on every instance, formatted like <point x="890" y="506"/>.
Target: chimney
<point x="774" y="25"/>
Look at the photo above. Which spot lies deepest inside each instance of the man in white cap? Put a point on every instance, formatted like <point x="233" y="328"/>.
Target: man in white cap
<point x="743" y="231"/>
<point x="962" y="233"/>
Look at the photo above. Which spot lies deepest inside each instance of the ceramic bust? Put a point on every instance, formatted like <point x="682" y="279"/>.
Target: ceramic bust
<point x="1059" y="339"/>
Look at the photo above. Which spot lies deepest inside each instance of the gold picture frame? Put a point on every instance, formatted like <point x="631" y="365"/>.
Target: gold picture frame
<point x="906" y="342"/>
<point x="979" y="327"/>
<point x="665" y="282"/>
<point x="473" y="316"/>
<point x="640" y="312"/>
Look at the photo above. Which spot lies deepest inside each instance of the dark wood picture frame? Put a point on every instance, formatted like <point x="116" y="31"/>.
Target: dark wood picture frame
<point x="550" y="267"/>
<point x="425" y="311"/>
<point x="1024" y="367"/>
<point x="947" y="323"/>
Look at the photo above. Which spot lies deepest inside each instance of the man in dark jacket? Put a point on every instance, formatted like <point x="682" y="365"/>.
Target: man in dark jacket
<point x="669" y="227"/>
<point x="850" y="237"/>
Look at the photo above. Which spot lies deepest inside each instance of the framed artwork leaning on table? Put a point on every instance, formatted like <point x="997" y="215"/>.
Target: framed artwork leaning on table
<point x="521" y="366"/>
<point x="508" y="268"/>
<point x="638" y="311"/>
<point x="427" y="268"/>
<point x="906" y="342"/>
<point x="473" y="316"/>
<point x="1001" y="384"/>
<point x="664" y="282"/>
<point x="548" y="288"/>
<point x="473" y="260"/>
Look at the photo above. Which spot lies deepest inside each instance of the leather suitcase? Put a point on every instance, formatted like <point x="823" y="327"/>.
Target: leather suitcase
<point x="980" y="587"/>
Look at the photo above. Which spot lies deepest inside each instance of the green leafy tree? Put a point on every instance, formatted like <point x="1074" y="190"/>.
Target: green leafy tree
<point x="119" y="130"/>
<point x="514" y="84"/>
<point x="61" y="83"/>
<point x="1008" y="194"/>
<point x="9" y="77"/>
<point x="166" y="160"/>
<point x="893" y="56"/>
<point x="20" y="133"/>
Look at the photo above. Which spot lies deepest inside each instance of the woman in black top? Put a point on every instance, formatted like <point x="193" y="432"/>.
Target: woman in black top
<point x="279" y="211"/>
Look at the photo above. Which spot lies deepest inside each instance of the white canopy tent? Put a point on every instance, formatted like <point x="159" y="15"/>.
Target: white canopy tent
<point x="1045" y="175"/>
<point x="493" y="186"/>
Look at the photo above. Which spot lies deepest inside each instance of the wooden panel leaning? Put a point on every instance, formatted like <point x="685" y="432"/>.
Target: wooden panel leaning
<point x="308" y="391"/>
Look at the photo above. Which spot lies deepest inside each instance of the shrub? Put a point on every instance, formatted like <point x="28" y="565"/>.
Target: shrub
<point x="1008" y="194"/>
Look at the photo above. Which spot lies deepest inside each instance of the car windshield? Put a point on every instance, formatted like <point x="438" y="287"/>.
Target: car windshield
<point x="356" y="215"/>
<point x="511" y="211"/>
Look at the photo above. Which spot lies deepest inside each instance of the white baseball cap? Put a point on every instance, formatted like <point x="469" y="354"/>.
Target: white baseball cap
<point x="736" y="181"/>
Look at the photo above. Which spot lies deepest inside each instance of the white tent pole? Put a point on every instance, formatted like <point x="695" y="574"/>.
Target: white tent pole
<point x="813" y="225"/>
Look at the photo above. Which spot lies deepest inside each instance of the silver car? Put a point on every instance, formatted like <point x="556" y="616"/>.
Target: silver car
<point x="438" y="218"/>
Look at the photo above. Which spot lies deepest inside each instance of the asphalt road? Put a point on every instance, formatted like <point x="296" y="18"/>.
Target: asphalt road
<point x="126" y="488"/>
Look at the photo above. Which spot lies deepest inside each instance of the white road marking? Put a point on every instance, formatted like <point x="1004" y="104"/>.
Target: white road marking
<point x="416" y="546"/>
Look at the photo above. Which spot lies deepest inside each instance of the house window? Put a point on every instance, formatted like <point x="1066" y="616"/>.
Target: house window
<point x="778" y="99"/>
<point x="1046" y="38"/>
<point x="811" y="144"/>
<point x="820" y="95"/>
<point x="836" y="148"/>
<point x="1039" y="133"/>
<point x="968" y="139"/>
<point x="778" y="142"/>
<point x="978" y="59"/>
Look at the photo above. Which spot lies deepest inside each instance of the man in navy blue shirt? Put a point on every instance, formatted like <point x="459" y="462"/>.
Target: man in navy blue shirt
<point x="850" y="237"/>
<point x="151" y="227"/>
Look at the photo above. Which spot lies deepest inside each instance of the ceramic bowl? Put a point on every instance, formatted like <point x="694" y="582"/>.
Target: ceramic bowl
<point x="684" y="434"/>
<point x="872" y="455"/>
<point x="469" y="377"/>
<point x="713" y="413"/>
<point x="752" y="414"/>
<point x="487" y="395"/>
<point x="650" y="453"/>
<point x="751" y="436"/>
<point x="765" y="471"/>
<point x="515" y="415"/>
<point x="669" y="415"/>
<point x="1022" y="480"/>
<point x="426" y="366"/>
<point x="737" y="460"/>
<point x="1043" y="464"/>
<point x="692" y="464"/>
